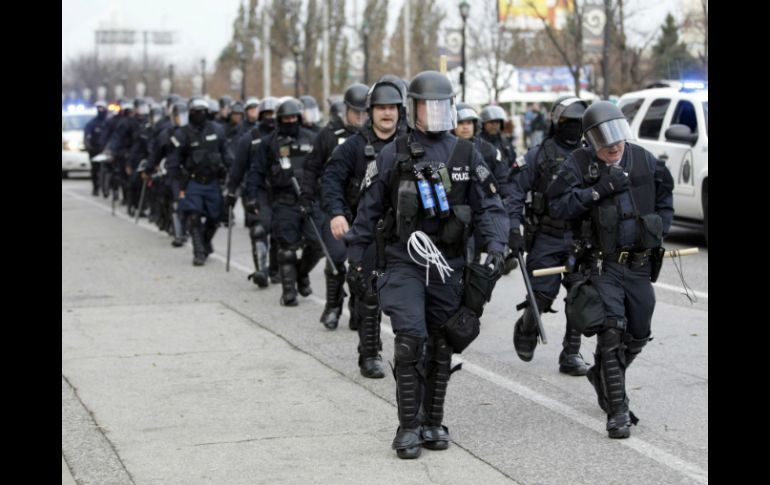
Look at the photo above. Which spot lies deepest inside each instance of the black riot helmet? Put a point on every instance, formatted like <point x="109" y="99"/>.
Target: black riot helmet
<point x="179" y="112"/>
<point x="237" y="108"/>
<point x="566" y="115"/>
<point x="225" y="101"/>
<point x="355" y="96"/>
<point x="270" y="103"/>
<point x="466" y="112"/>
<point x="171" y="100"/>
<point x="336" y="112"/>
<point x="435" y="89"/>
<point x="199" y="109"/>
<point x="398" y="82"/>
<point x="383" y="92"/>
<point x="290" y="107"/>
<point x="604" y="125"/>
<point x="310" y="113"/>
<point x="494" y="113"/>
<point x="156" y="113"/>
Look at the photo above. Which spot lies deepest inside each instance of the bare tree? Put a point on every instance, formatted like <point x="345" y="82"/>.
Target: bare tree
<point x="376" y="14"/>
<point x="491" y="46"/>
<point x="426" y="18"/>
<point x="567" y="41"/>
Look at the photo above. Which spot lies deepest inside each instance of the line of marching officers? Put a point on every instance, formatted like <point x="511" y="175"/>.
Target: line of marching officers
<point x="409" y="189"/>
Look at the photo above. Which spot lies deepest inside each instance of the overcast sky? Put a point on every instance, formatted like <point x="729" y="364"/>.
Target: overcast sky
<point x="203" y="27"/>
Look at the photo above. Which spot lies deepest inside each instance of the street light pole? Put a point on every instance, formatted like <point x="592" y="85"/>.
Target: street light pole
<point x="295" y="51"/>
<point x="171" y="77"/>
<point x="464" y="10"/>
<point x="203" y="75"/>
<point x="242" y="56"/>
<point x="365" y="30"/>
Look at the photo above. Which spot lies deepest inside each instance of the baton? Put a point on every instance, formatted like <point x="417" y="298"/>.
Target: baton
<point x="531" y="298"/>
<point x="141" y="201"/>
<point x="229" y="235"/>
<point x="315" y="229"/>
<point x="563" y="269"/>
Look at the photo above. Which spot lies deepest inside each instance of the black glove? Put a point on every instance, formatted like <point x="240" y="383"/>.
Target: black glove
<point x="252" y="206"/>
<point x="515" y="241"/>
<point x="612" y="182"/>
<point x="495" y="262"/>
<point x="356" y="279"/>
<point x="306" y="205"/>
<point x="230" y="199"/>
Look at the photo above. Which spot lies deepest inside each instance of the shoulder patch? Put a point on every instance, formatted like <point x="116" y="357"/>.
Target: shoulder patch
<point x="482" y="172"/>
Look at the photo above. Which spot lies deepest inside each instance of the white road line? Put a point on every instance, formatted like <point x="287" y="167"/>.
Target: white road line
<point x="649" y="450"/>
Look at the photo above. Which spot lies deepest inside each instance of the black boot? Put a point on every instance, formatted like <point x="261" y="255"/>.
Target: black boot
<point x="335" y="296"/>
<point x="310" y="257"/>
<point x="570" y="360"/>
<point x="435" y="435"/>
<point x="275" y="277"/>
<point x="525" y="331"/>
<point x="355" y="319"/>
<point x="199" y="249"/>
<point x="407" y="353"/>
<point x="369" y="343"/>
<point x="288" y="270"/>
<point x="208" y="235"/>
<point x="609" y="381"/>
<point x="258" y="238"/>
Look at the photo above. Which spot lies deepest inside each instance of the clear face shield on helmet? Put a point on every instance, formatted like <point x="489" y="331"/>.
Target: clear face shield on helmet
<point x="311" y="116"/>
<point x="182" y="118"/>
<point x="143" y="110"/>
<point x="431" y="115"/>
<point x="609" y="133"/>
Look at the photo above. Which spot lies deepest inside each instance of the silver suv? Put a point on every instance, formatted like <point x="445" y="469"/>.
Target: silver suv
<point x="671" y="121"/>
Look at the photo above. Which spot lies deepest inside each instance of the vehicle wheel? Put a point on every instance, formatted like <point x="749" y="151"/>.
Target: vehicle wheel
<point x="64" y="174"/>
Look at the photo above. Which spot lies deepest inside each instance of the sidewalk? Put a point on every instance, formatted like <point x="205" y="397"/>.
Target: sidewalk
<point x="163" y="383"/>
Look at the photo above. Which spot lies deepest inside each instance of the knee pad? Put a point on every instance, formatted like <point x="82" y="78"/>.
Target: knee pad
<point x="407" y="349"/>
<point x="634" y="347"/>
<point x="341" y="271"/>
<point x="288" y="256"/>
<point x="440" y="350"/>
<point x="257" y="232"/>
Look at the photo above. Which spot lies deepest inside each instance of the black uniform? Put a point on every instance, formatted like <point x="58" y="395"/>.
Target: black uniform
<point x="94" y="145"/>
<point x="626" y="216"/>
<point x="289" y="227"/>
<point x="343" y="179"/>
<point x="199" y="161"/>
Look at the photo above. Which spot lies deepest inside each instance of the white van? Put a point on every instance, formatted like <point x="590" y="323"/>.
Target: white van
<point x="74" y="157"/>
<point x="672" y="123"/>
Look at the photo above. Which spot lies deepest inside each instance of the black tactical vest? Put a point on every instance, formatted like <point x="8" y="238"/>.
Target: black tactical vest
<point x="405" y="213"/>
<point x="606" y="216"/>
<point x="204" y="160"/>
<point x="363" y="172"/>
<point x="292" y="152"/>
<point x="548" y="166"/>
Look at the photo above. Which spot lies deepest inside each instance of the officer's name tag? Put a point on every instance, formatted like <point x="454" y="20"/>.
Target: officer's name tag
<point x="194" y="144"/>
<point x="211" y="137"/>
<point x="305" y="147"/>
<point x="175" y="141"/>
<point x="256" y="142"/>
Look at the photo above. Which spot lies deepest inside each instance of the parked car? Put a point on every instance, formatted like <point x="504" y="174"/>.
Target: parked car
<point x="671" y="121"/>
<point x="74" y="157"/>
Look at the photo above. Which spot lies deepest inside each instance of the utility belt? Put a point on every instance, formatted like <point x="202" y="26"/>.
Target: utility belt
<point x="203" y="178"/>
<point x="629" y="257"/>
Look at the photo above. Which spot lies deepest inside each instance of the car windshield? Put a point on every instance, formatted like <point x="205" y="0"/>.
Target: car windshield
<point x="706" y="115"/>
<point x="75" y="122"/>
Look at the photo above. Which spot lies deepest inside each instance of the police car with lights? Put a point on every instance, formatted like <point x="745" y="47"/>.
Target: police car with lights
<point x="670" y="119"/>
<point x="74" y="157"/>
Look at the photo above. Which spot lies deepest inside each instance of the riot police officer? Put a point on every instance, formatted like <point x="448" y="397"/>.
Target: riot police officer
<point x="547" y="240"/>
<point x="278" y="162"/>
<point x="199" y="160"/>
<point x="468" y="129"/>
<point x="419" y="234"/>
<point x="622" y="196"/>
<point x="493" y="120"/>
<point x="252" y="118"/>
<point x="92" y="138"/>
<point x="222" y="116"/>
<point x="233" y="123"/>
<point x="342" y="181"/>
<point x="334" y="134"/>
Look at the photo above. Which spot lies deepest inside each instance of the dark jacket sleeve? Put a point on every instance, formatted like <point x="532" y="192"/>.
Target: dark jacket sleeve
<point x="490" y="216"/>
<point x="566" y="199"/>
<point x="336" y="176"/>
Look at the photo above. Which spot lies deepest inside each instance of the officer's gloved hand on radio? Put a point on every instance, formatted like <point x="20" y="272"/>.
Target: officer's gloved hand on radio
<point x="495" y="262"/>
<point x="612" y="182"/>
